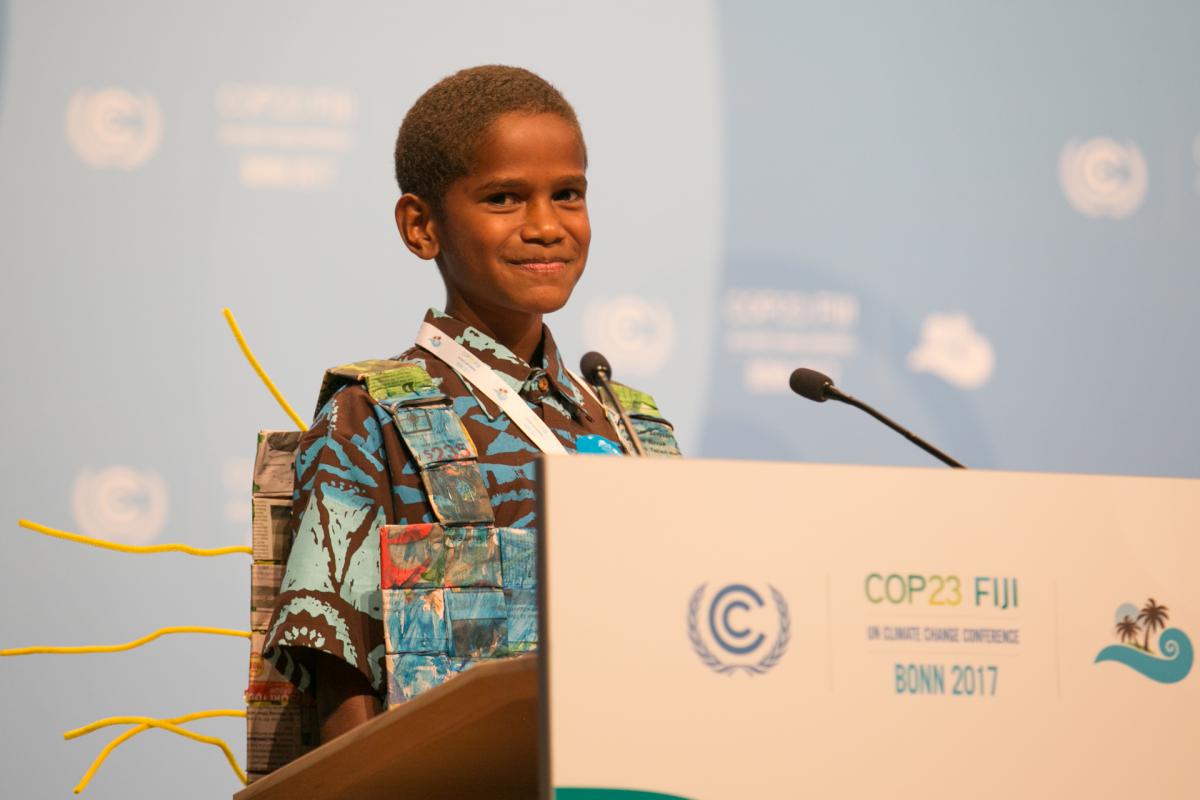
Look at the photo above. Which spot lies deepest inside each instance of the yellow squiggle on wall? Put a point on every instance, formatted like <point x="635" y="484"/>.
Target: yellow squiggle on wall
<point x="241" y="340"/>
<point x="132" y="548"/>
<point x="146" y="723"/>
<point x="117" y="648"/>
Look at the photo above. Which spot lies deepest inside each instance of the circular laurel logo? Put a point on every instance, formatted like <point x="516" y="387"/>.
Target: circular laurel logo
<point x="1102" y="177"/>
<point x="737" y="622"/>
<point x="635" y="332"/>
<point x="114" y="128"/>
<point x="120" y="503"/>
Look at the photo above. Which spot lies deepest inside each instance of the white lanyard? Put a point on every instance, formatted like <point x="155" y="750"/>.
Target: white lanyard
<point x="485" y="379"/>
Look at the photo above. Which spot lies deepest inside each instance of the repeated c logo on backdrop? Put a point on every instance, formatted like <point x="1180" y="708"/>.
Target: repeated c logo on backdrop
<point x="114" y="128"/>
<point x="1102" y="177"/>
<point x="119" y="503"/>
<point x="635" y="332"/>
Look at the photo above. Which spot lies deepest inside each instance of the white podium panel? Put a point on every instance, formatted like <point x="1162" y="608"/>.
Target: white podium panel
<point x="744" y="630"/>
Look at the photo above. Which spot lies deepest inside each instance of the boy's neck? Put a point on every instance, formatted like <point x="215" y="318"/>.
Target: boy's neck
<point x="520" y="333"/>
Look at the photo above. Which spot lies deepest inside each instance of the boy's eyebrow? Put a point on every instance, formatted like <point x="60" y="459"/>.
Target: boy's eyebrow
<point x="508" y="184"/>
<point x="502" y="184"/>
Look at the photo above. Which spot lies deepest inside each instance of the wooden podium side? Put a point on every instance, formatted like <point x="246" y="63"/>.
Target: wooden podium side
<point x="475" y="736"/>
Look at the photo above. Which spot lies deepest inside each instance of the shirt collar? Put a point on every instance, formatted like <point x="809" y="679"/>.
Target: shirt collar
<point x="508" y="364"/>
<point x="556" y="372"/>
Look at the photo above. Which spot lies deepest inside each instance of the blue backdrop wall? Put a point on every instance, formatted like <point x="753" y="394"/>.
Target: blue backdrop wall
<point x="982" y="218"/>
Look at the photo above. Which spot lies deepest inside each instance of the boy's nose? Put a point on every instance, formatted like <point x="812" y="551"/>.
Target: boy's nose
<point x="542" y="223"/>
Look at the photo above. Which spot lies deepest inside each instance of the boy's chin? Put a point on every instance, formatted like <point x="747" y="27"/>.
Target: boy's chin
<point x="542" y="302"/>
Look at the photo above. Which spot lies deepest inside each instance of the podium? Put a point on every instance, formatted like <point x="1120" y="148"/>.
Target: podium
<point x="475" y="736"/>
<point x="713" y="630"/>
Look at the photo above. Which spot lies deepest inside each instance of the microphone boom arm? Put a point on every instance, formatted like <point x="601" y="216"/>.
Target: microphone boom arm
<point x="602" y="374"/>
<point x="833" y="393"/>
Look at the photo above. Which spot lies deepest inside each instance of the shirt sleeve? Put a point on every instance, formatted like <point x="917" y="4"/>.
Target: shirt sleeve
<point x="329" y="600"/>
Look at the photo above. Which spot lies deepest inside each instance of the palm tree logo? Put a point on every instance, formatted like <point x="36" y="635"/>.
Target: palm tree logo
<point x="1127" y="629"/>
<point x="1153" y="617"/>
<point x="1171" y="664"/>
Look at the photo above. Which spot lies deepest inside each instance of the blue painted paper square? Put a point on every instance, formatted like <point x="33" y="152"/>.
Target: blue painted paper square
<point x="472" y="557"/>
<point x="478" y="621"/>
<point x="522" y="619"/>
<point x="414" y="621"/>
<point x="434" y="435"/>
<point x="518" y="558"/>
<point x="457" y="494"/>
<point x="409" y="675"/>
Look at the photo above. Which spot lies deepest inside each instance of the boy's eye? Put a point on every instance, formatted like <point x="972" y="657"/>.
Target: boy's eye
<point x="501" y="199"/>
<point x="568" y="196"/>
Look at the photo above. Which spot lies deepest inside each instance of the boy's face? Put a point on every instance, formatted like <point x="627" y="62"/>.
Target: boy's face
<point x="513" y="235"/>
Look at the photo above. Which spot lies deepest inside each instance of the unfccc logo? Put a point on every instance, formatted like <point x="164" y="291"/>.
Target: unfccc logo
<point x="750" y="636"/>
<point x="114" y="128"/>
<point x="637" y="333"/>
<point x="1102" y="177"/>
<point x="120" y="503"/>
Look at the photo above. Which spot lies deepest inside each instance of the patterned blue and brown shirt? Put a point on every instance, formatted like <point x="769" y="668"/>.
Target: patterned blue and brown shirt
<point x="354" y="474"/>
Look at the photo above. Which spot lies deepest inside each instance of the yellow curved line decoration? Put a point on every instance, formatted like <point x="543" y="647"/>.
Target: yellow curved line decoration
<point x="92" y="727"/>
<point x="132" y="548"/>
<point x="145" y="723"/>
<point x="117" y="648"/>
<point x="262" y="374"/>
<point x="129" y="734"/>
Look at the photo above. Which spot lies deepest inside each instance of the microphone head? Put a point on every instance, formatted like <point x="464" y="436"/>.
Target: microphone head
<point x="592" y="364"/>
<point x="811" y="384"/>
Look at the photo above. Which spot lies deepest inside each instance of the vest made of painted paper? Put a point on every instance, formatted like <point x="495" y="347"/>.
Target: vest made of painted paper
<point x="459" y="590"/>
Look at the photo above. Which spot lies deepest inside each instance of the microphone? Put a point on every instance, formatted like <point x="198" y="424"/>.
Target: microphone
<point x="596" y="369"/>
<point x="819" y="388"/>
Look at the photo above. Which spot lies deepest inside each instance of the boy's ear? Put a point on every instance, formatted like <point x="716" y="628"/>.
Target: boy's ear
<point x="417" y="225"/>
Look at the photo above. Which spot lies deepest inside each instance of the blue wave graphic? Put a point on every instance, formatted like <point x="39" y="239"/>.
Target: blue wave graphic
<point x="1175" y="646"/>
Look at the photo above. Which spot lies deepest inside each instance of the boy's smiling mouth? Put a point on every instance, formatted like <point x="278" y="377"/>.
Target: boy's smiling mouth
<point x="540" y="264"/>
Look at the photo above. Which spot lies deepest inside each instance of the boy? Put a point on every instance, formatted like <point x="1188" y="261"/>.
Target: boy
<point x="429" y="459"/>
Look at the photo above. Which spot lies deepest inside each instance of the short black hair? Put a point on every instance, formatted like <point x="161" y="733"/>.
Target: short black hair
<point x="437" y="140"/>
